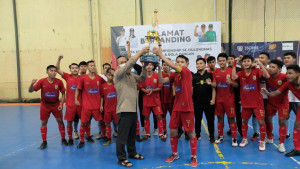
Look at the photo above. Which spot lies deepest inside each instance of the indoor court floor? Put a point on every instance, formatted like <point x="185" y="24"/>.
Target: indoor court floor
<point x="20" y="139"/>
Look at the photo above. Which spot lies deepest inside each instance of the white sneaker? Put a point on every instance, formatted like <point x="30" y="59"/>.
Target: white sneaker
<point x="219" y="140"/>
<point x="262" y="146"/>
<point x="143" y="132"/>
<point x="234" y="142"/>
<point x="244" y="143"/>
<point x="270" y="141"/>
<point x="155" y="132"/>
<point x="99" y="136"/>
<point x="281" y="148"/>
<point x="115" y="134"/>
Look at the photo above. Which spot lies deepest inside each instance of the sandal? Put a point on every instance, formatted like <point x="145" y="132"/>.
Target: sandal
<point x="137" y="156"/>
<point x="125" y="163"/>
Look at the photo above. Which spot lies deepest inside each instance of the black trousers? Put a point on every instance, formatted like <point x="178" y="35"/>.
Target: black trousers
<point x="126" y="134"/>
<point x="238" y="116"/>
<point x="209" y="111"/>
<point x="294" y="107"/>
<point x="141" y="111"/>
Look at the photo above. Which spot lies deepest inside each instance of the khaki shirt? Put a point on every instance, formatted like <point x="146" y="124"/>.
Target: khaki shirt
<point x="126" y="87"/>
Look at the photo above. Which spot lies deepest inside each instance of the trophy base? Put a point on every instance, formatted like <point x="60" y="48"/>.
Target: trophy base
<point x="150" y="59"/>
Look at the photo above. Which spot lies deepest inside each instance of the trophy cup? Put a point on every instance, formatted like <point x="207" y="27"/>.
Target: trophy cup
<point x="152" y="35"/>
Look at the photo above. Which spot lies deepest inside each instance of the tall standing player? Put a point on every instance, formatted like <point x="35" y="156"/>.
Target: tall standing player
<point x="225" y="98"/>
<point x="90" y="86"/>
<point x="183" y="110"/>
<point x="292" y="84"/>
<point x="72" y="81"/>
<point x="251" y="98"/>
<point x="50" y="89"/>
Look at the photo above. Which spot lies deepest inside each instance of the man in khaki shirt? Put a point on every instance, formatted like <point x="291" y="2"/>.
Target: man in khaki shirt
<point x="125" y="84"/>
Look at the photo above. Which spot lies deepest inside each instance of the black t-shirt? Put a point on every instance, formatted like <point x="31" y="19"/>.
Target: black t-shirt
<point x="236" y="90"/>
<point x="202" y="92"/>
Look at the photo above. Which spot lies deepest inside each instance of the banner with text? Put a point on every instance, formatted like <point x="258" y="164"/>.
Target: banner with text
<point x="194" y="40"/>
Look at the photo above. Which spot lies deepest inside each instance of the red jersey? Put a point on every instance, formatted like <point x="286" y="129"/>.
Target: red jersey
<point x="250" y="88"/>
<point x="224" y="91"/>
<point x="72" y="83"/>
<point x="184" y="90"/>
<point x="272" y="85"/>
<point x="292" y="87"/>
<point x="166" y="90"/>
<point x="90" y="89"/>
<point x="154" y="98"/>
<point x="109" y="93"/>
<point x="50" y="91"/>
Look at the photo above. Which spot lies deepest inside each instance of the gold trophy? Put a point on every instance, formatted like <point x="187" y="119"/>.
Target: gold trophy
<point x="152" y="35"/>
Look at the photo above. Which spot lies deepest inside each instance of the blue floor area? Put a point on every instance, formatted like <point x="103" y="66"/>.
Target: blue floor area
<point x="20" y="139"/>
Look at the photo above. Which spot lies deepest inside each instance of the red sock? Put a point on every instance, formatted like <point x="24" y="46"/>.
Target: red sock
<point x="160" y="126"/>
<point x="88" y="130"/>
<point x="165" y="124"/>
<point x="44" y="133"/>
<point x="296" y="139"/>
<point x="108" y="132"/>
<point x="82" y="130"/>
<point x="137" y="128"/>
<point x="62" y="131"/>
<point x="102" y="125"/>
<point x="262" y="130"/>
<point x="220" y="128"/>
<point x="70" y="132"/>
<point x="193" y="143"/>
<point x="233" y="128"/>
<point x="244" y="130"/>
<point x="269" y="130"/>
<point x="174" y="143"/>
<point x="282" y="133"/>
<point x="147" y="126"/>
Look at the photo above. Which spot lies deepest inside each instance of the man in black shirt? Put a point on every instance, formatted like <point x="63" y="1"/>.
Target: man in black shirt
<point x="203" y="98"/>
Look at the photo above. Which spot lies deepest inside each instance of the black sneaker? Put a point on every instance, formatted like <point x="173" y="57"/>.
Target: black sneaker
<point x="71" y="142"/>
<point x="64" y="142"/>
<point x="288" y="136"/>
<point x="212" y="140"/>
<point x="186" y="136"/>
<point x="220" y="139"/>
<point x="43" y="145"/>
<point x="179" y="133"/>
<point x="138" y="138"/>
<point x="229" y="132"/>
<point x="90" y="140"/>
<point x="105" y="138"/>
<point x="293" y="153"/>
<point x="80" y="145"/>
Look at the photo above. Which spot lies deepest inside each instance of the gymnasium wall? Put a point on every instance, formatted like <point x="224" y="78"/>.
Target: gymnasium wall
<point x="80" y="30"/>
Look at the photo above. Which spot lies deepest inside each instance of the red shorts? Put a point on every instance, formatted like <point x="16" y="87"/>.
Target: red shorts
<point x="47" y="108"/>
<point x="258" y="111"/>
<point x="156" y="110"/>
<point x="298" y="115"/>
<point x="182" y="118"/>
<point x="283" y="111"/>
<point x="86" y="115"/>
<point x="221" y="108"/>
<point x="167" y="107"/>
<point x="71" y="112"/>
<point x="110" y="116"/>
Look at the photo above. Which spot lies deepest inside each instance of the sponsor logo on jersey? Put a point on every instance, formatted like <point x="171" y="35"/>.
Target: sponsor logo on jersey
<point x="150" y="87"/>
<point x="222" y="85"/>
<point x="178" y="88"/>
<point x="249" y="87"/>
<point x="73" y="87"/>
<point x="50" y="94"/>
<point x="93" y="91"/>
<point x="167" y="84"/>
<point x="272" y="89"/>
<point x="111" y="95"/>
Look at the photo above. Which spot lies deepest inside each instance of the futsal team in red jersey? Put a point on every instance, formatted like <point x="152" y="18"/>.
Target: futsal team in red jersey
<point x="90" y="96"/>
